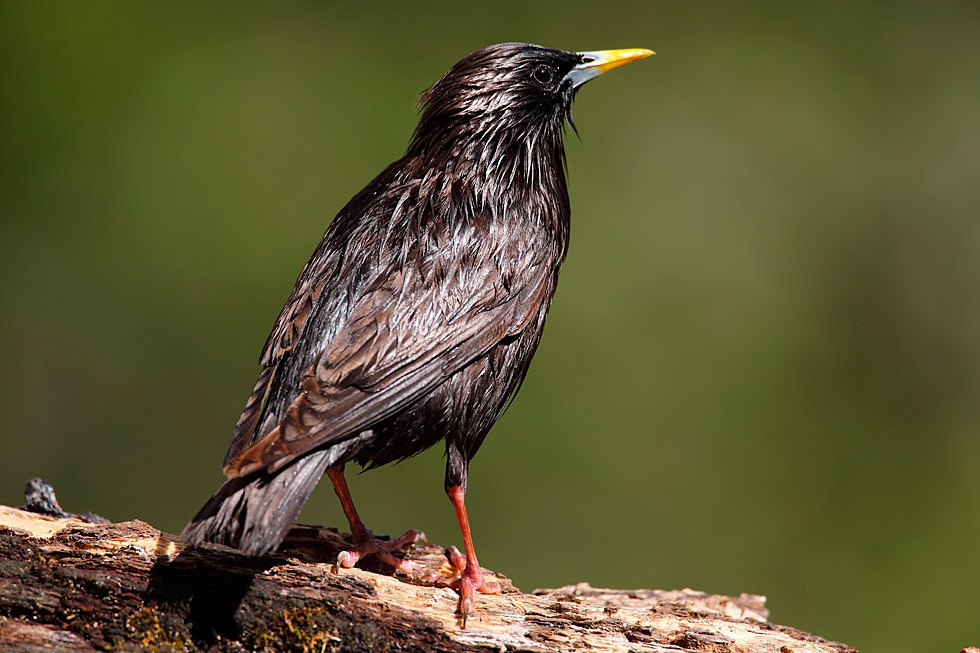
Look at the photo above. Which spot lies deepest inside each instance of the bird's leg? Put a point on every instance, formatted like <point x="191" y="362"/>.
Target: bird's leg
<point x="364" y="541"/>
<point x="471" y="575"/>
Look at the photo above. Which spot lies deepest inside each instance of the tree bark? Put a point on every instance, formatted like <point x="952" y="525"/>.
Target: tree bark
<point x="76" y="586"/>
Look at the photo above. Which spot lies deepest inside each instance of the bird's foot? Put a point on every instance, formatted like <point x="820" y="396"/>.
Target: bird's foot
<point x="469" y="582"/>
<point x="366" y="544"/>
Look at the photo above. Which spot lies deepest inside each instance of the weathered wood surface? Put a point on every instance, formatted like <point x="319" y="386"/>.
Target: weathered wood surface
<point x="74" y="586"/>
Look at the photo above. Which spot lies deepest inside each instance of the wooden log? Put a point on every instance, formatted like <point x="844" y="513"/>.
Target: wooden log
<point x="69" y="585"/>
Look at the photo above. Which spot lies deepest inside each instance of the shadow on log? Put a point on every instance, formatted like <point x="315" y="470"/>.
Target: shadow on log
<point x="76" y="586"/>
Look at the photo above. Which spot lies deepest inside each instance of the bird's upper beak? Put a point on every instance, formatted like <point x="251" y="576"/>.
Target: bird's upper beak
<point x="596" y="62"/>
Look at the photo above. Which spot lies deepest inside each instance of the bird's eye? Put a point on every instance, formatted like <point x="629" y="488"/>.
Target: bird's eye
<point x="543" y="75"/>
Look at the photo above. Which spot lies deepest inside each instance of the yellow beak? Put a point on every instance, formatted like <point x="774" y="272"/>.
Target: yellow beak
<point x="596" y="62"/>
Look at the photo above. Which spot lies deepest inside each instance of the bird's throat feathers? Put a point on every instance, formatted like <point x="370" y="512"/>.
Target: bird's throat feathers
<point x="494" y="153"/>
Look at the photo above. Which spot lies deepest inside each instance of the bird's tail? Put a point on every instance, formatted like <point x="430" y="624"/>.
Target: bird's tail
<point x="253" y="513"/>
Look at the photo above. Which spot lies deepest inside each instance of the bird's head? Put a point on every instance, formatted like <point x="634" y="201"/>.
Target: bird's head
<point x="519" y="90"/>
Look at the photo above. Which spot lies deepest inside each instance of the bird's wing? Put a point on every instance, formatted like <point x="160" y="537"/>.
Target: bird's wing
<point x="405" y="337"/>
<point x="308" y="293"/>
<point x="289" y="326"/>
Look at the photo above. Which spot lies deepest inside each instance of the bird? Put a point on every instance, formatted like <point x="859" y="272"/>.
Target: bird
<point x="417" y="315"/>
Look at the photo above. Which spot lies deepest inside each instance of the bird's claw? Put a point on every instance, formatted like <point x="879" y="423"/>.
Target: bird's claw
<point x="408" y="538"/>
<point x="456" y="558"/>
<point x="469" y="582"/>
<point x="367" y="544"/>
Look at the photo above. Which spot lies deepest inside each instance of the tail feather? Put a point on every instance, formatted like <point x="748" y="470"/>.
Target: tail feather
<point x="253" y="513"/>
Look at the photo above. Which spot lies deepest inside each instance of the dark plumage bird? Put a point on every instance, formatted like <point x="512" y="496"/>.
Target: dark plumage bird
<point x="417" y="316"/>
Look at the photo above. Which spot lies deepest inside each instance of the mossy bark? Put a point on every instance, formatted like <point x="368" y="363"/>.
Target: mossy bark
<point x="76" y="586"/>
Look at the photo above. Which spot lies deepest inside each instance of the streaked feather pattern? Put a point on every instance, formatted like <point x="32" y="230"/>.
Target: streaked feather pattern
<point x="418" y="313"/>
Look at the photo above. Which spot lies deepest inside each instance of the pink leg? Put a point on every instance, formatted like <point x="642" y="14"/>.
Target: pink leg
<point x="471" y="579"/>
<point x="364" y="541"/>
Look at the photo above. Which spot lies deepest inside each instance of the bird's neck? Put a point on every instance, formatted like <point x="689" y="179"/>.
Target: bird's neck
<point x="498" y="167"/>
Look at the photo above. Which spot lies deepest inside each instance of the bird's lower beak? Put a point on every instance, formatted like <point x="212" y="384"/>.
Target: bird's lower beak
<point x="596" y="62"/>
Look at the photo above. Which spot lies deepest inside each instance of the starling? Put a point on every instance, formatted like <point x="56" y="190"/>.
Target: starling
<point x="417" y="315"/>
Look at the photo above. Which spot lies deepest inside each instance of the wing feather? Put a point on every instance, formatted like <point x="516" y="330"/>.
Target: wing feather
<point x="398" y="344"/>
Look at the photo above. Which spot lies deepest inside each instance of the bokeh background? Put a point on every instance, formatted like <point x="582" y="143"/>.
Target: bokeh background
<point x="760" y="372"/>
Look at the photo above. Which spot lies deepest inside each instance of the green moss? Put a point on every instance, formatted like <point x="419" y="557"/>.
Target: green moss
<point x="304" y="629"/>
<point x="151" y="635"/>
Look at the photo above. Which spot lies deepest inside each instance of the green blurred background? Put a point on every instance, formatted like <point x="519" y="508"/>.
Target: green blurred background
<point x="760" y="372"/>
